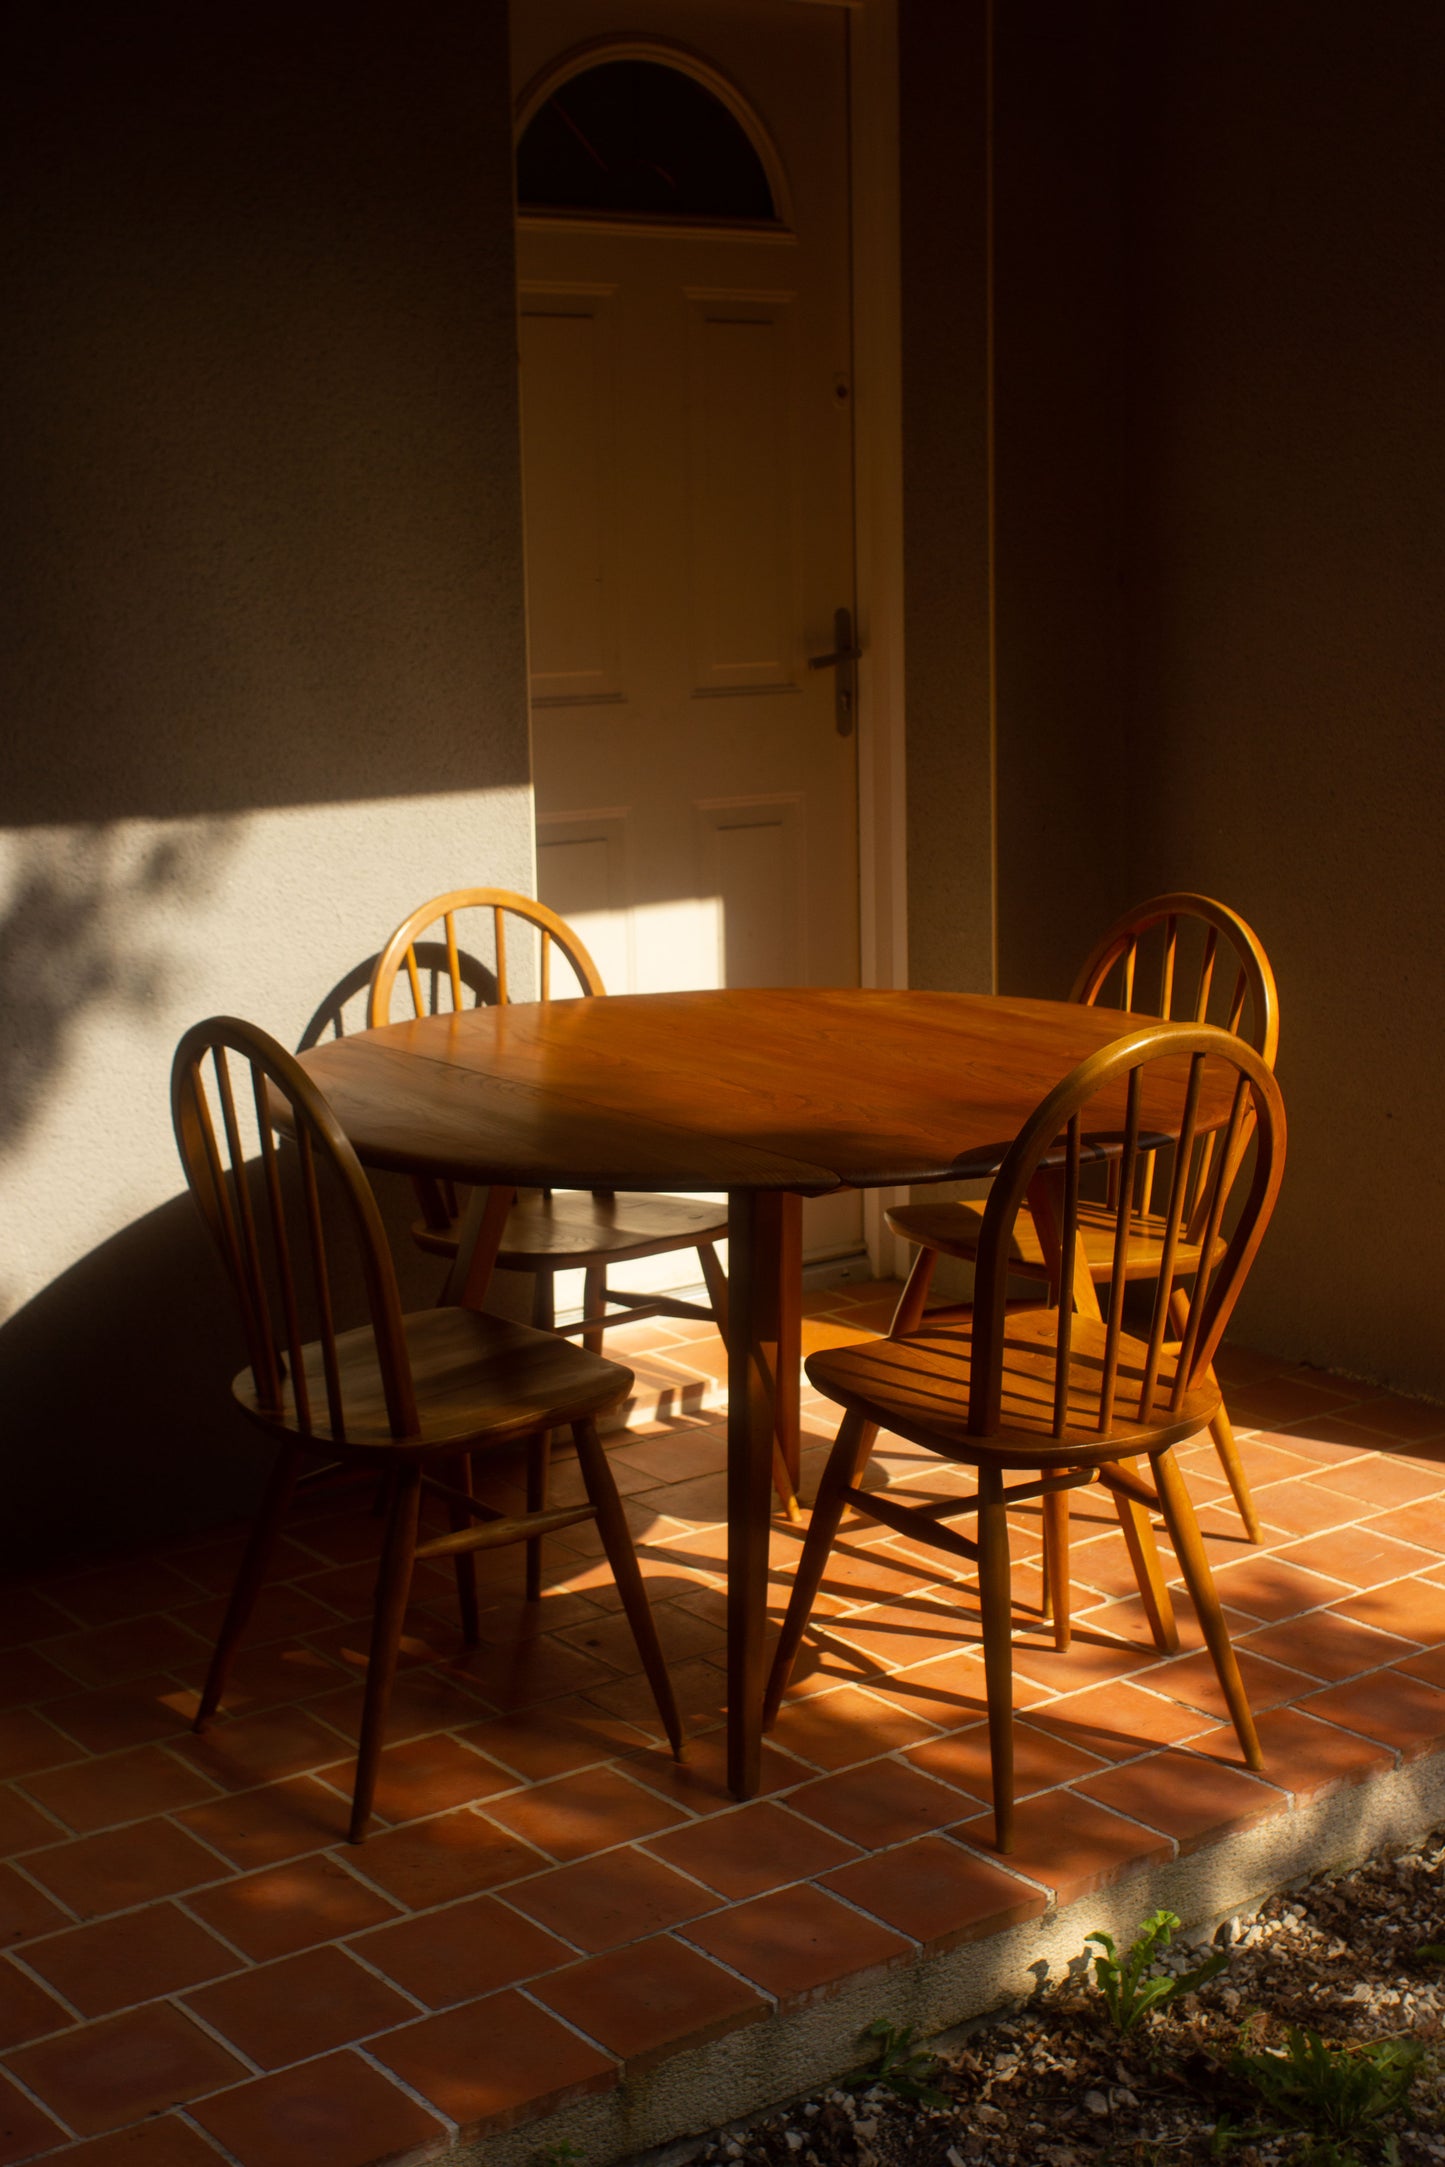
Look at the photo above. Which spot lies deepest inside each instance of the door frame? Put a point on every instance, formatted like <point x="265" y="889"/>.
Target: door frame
<point x="878" y="533"/>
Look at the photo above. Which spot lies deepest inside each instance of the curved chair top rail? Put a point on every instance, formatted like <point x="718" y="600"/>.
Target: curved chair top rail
<point x="400" y="950"/>
<point x="280" y="1243"/>
<point x="1204" y="1177"/>
<point x="1185" y="983"/>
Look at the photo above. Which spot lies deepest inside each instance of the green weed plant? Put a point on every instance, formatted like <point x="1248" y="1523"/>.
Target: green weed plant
<point x="900" y="2065"/>
<point x="1338" y="2096"/>
<point x="1130" y="1985"/>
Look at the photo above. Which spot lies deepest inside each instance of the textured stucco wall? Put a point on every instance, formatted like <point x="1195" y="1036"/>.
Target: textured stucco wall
<point x="1062" y="689"/>
<point x="263" y="636"/>
<point x="1287" y="604"/>
<point x="1220" y="624"/>
<point x="943" y="170"/>
<point x="1046" y="797"/>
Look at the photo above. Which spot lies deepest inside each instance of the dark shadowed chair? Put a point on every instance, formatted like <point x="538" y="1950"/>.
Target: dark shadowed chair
<point x="411" y="1396"/>
<point x="1074" y="1396"/>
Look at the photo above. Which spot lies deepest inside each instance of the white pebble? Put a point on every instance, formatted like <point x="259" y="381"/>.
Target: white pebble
<point x="793" y="2139"/>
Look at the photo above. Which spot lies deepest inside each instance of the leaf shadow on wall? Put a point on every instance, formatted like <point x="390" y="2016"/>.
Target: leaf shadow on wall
<point x="73" y="940"/>
<point x="119" y="1425"/>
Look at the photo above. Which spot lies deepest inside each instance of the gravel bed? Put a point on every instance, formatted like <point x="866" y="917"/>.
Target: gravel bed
<point x="1050" y="2083"/>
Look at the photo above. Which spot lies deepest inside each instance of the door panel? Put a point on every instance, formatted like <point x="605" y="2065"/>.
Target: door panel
<point x="570" y="485"/>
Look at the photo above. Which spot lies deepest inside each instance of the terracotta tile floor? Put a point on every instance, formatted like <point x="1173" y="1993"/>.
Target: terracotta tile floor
<point x="198" y="1966"/>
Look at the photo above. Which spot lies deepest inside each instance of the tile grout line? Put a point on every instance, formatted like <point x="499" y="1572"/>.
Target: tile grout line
<point x="28" y="2092"/>
<point x="204" y="2024"/>
<point x="16" y="1955"/>
<point x="374" y="1971"/>
<point x="451" y="2127"/>
<point x="185" y="2117"/>
<point x="618" y="2061"/>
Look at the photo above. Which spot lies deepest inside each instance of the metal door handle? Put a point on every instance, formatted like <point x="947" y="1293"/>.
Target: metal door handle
<point x="843" y="659"/>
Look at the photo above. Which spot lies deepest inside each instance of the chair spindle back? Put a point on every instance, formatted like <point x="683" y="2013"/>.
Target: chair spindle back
<point x="1189" y="959"/>
<point x="1156" y="1078"/>
<point x="266" y="1208"/>
<point x="453" y="970"/>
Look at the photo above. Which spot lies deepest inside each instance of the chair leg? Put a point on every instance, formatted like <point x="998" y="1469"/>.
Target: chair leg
<point x="846" y="1462"/>
<point x="788" y="1358"/>
<point x="996" y="1607"/>
<point x="1148" y="1569"/>
<point x="539" y="1471"/>
<point x="544" y="1312"/>
<point x="594" y="1304"/>
<point x="1058" y="1593"/>
<point x="539" y="1449"/>
<point x="466" y="1560"/>
<point x="617" y="1542"/>
<point x="260" y="1548"/>
<point x="715" y="1279"/>
<point x="393" y="1586"/>
<point x="909" y="1314"/>
<point x="1221" y="1430"/>
<point x="1194" y="1565"/>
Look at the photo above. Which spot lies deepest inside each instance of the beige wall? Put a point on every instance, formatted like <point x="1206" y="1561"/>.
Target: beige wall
<point x="264" y="637"/>
<point x="1287" y="608"/>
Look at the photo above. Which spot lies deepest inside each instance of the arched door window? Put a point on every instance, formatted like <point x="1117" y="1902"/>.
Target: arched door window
<point x="641" y="138"/>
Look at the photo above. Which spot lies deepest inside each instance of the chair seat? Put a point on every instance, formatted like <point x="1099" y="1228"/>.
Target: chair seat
<point x="478" y="1380"/>
<point x="954" y="1229"/>
<point x="571" y="1227"/>
<point x="918" y="1388"/>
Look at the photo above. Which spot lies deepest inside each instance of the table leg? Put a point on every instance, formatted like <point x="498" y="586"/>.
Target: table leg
<point x="481" y="1231"/>
<point x="757" y="1248"/>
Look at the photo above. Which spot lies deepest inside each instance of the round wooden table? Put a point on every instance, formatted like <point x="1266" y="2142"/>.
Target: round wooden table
<point x="770" y="1096"/>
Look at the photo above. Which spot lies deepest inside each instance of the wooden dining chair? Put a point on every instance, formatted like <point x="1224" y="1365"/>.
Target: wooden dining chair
<point x="547" y="1231"/>
<point x="1076" y="1398"/>
<point x="1183" y="957"/>
<point x="411" y="1397"/>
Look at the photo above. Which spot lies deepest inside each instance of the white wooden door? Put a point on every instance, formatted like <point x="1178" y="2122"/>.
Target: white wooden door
<point x="687" y="455"/>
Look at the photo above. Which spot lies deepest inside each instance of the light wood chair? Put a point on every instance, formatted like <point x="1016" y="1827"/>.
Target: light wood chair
<point x="412" y="1397"/>
<point x="546" y="1232"/>
<point x="549" y="1231"/>
<point x="1075" y="1396"/>
<point x="1184" y="957"/>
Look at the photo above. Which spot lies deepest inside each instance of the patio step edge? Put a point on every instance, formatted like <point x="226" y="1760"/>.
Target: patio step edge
<point x="797" y="2051"/>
